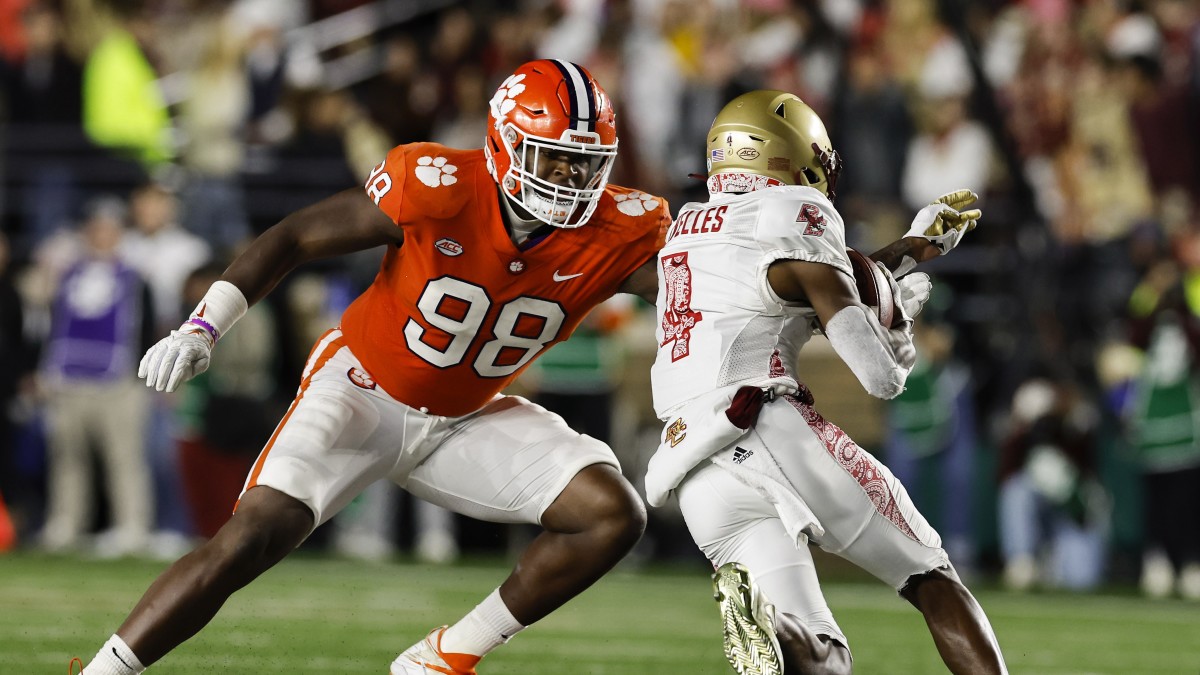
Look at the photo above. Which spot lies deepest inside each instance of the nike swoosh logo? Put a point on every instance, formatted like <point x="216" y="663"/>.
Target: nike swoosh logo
<point x="203" y="306"/>
<point x="564" y="277"/>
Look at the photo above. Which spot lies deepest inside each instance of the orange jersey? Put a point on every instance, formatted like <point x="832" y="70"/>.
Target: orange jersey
<point x="458" y="311"/>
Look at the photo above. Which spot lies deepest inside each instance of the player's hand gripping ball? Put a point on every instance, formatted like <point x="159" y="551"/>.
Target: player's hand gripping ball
<point x="915" y="288"/>
<point x="877" y="289"/>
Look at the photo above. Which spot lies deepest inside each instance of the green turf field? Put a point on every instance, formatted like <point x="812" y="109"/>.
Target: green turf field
<point x="314" y="615"/>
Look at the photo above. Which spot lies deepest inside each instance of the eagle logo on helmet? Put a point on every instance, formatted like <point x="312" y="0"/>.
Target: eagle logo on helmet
<point x="545" y="111"/>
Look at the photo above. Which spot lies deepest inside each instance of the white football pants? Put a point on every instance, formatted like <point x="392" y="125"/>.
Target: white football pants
<point x="866" y="513"/>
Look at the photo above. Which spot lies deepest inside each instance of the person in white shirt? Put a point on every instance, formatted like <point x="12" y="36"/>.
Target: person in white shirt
<point x="162" y="250"/>
<point x="745" y="280"/>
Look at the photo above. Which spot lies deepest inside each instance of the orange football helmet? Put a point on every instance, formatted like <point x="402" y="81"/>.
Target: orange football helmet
<point x="551" y="109"/>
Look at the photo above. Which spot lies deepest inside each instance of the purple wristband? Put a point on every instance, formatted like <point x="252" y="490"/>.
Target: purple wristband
<point x="216" y="334"/>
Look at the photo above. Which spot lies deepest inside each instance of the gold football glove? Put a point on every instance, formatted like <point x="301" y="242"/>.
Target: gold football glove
<point x="959" y="200"/>
<point x="943" y="223"/>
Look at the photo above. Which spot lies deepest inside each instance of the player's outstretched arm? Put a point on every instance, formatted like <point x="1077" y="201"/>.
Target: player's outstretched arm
<point x="935" y="231"/>
<point x="343" y="223"/>
<point x="879" y="357"/>
<point x="346" y="222"/>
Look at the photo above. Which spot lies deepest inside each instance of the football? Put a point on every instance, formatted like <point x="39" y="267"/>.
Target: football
<point x="873" y="288"/>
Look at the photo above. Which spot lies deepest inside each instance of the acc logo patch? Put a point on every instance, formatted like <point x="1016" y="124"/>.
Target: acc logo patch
<point x="449" y="247"/>
<point x="747" y="153"/>
<point x="360" y="378"/>
<point x="676" y="432"/>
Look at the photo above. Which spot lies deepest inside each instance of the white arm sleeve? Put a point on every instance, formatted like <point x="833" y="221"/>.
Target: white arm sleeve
<point x="880" y="358"/>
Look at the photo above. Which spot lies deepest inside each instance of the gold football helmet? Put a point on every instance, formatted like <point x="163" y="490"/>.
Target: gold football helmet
<point x="766" y="138"/>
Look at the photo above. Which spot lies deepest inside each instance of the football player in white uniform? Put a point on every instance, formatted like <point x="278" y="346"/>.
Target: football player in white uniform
<point x="745" y="280"/>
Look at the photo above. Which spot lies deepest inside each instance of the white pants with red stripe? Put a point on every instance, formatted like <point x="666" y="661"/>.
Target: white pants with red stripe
<point x="506" y="462"/>
<point x="866" y="513"/>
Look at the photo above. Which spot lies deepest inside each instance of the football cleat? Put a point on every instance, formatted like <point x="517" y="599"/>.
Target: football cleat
<point x="427" y="658"/>
<point x="748" y="621"/>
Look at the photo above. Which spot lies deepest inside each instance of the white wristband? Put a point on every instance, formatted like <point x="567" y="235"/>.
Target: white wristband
<point x="220" y="308"/>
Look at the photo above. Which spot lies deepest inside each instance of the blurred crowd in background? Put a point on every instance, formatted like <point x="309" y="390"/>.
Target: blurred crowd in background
<point x="1050" y="430"/>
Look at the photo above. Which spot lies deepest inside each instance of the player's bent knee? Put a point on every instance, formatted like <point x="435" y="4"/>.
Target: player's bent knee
<point x="624" y="509"/>
<point x="839" y="661"/>
<point x="631" y="522"/>
<point x="806" y="652"/>
<point x="267" y="526"/>
<point x="619" y="512"/>
<point x="945" y="577"/>
<point x="599" y="499"/>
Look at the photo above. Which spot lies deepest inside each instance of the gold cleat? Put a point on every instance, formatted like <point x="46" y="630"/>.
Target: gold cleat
<point x="748" y="621"/>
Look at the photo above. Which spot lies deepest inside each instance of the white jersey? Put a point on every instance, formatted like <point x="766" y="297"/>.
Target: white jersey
<point x="720" y="323"/>
<point x="758" y="496"/>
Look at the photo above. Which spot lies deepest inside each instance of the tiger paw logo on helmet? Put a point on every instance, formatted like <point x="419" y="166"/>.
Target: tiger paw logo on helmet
<point x="636" y="203"/>
<point x="505" y="99"/>
<point x="434" y="171"/>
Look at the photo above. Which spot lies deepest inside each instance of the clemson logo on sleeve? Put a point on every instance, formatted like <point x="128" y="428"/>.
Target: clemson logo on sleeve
<point x="636" y="203"/>
<point x="435" y="171"/>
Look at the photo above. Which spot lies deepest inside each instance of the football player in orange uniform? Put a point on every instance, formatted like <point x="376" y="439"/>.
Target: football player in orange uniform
<point x="493" y="256"/>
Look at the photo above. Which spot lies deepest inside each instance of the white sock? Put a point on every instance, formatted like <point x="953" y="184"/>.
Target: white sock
<point x="483" y="629"/>
<point x="114" y="658"/>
